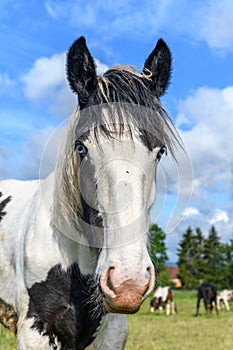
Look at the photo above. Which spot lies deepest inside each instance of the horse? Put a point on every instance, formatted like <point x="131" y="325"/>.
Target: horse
<point x="225" y="296"/>
<point x="163" y="298"/>
<point x="208" y="292"/>
<point x="74" y="246"/>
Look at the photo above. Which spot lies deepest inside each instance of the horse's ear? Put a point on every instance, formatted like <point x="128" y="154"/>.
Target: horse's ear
<point x="81" y="72"/>
<point x="159" y="64"/>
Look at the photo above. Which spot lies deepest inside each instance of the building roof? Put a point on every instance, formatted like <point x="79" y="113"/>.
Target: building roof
<point x="173" y="272"/>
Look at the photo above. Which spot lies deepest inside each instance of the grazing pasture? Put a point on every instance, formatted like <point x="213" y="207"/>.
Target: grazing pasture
<point x="183" y="331"/>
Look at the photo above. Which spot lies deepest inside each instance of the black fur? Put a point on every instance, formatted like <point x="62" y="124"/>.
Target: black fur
<point x="3" y="205"/>
<point x="208" y="292"/>
<point x="81" y="72"/>
<point x="91" y="220"/>
<point x="61" y="307"/>
<point x="159" y="63"/>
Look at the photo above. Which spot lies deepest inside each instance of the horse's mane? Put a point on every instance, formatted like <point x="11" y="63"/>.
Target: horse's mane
<point x="124" y="93"/>
<point x="128" y="87"/>
<point x="125" y="71"/>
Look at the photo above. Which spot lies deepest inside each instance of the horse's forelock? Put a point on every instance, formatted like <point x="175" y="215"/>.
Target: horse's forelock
<point x="127" y="85"/>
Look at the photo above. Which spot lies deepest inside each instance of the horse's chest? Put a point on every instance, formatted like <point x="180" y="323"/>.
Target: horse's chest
<point x="62" y="309"/>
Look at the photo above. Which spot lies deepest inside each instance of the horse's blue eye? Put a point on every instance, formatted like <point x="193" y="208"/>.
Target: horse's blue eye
<point x="81" y="149"/>
<point x="162" y="150"/>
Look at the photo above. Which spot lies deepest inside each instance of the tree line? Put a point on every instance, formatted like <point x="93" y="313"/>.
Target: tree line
<point x="200" y="258"/>
<point x="205" y="259"/>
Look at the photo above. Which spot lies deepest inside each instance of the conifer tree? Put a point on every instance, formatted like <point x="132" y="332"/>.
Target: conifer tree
<point x="185" y="262"/>
<point x="227" y="271"/>
<point x="205" y="259"/>
<point x="158" y="249"/>
<point x="213" y="258"/>
<point x="198" y="255"/>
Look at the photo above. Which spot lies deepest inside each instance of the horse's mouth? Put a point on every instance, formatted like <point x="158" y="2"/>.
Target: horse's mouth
<point x="125" y="298"/>
<point x="123" y="309"/>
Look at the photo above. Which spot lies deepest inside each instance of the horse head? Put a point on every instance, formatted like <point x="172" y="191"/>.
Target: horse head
<point x="119" y="133"/>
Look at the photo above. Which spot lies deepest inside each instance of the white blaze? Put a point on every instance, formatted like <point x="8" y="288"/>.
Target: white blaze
<point x="125" y="177"/>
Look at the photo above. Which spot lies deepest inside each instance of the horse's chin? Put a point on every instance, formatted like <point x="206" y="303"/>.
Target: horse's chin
<point x="117" y="310"/>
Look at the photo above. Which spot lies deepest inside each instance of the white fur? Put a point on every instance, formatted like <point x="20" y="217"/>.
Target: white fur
<point x="33" y="240"/>
<point x="225" y="297"/>
<point x="162" y="292"/>
<point x="126" y="183"/>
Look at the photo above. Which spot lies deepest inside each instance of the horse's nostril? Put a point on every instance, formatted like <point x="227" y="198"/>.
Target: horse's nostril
<point x="109" y="282"/>
<point x="106" y="283"/>
<point x="150" y="276"/>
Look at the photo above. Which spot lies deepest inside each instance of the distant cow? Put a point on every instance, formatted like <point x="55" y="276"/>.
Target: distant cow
<point x="163" y="298"/>
<point x="224" y="296"/>
<point x="208" y="292"/>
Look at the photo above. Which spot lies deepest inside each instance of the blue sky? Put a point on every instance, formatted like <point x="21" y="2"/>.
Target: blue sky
<point x="35" y="99"/>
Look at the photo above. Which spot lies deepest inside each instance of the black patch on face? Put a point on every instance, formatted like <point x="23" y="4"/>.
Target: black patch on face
<point x="3" y="205"/>
<point x="90" y="215"/>
<point x="61" y="307"/>
<point x="149" y="140"/>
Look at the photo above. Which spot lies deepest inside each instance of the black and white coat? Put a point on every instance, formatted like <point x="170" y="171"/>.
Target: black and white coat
<point x="74" y="247"/>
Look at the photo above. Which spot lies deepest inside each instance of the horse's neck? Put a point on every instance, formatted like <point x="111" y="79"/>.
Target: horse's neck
<point x="76" y="252"/>
<point x="65" y="232"/>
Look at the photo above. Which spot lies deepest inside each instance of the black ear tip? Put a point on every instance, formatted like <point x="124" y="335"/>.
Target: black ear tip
<point x="81" y="40"/>
<point x="161" y="42"/>
<point x="161" y="45"/>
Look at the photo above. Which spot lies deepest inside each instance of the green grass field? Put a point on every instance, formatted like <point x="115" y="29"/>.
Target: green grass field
<point x="183" y="331"/>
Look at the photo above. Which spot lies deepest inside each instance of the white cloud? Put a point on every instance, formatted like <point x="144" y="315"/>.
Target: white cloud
<point x="46" y="75"/>
<point x="208" y="20"/>
<point x="190" y="211"/>
<point x="207" y="115"/>
<point x="216" y="25"/>
<point x="46" y="81"/>
<point x="119" y="16"/>
<point x="219" y="216"/>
